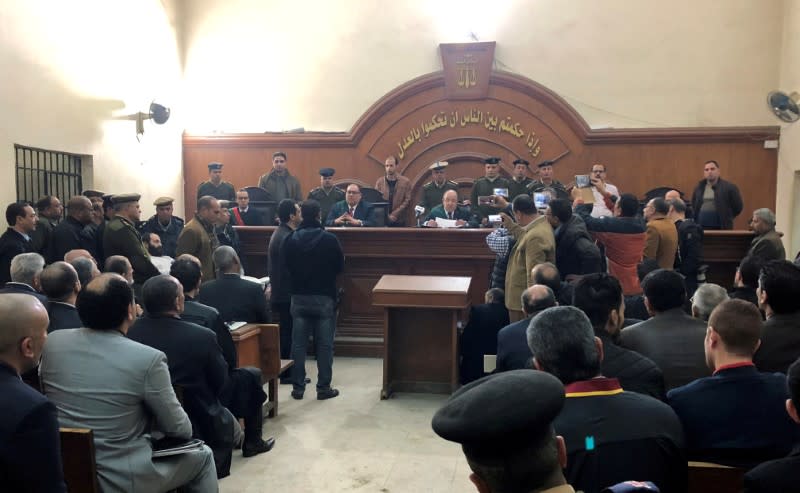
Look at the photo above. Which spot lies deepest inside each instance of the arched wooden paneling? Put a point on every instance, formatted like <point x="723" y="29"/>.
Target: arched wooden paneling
<point x="518" y="118"/>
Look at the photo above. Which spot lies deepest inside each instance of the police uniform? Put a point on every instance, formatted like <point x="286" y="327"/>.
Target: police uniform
<point x="556" y="189"/>
<point x="505" y="420"/>
<point x="518" y="187"/>
<point x="327" y="198"/>
<point x="485" y="187"/>
<point x="169" y="233"/>
<point x="223" y="191"/>
<point x="120" y="237"/>
<point x="432" y="193"/>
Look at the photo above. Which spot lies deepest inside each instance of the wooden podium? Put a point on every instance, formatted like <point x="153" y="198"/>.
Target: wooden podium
<point x="420" y="333"/>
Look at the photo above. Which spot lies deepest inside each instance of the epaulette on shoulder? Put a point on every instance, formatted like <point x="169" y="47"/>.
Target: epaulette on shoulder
<point x="451" y="182"/>
<point x="179" y="219"/>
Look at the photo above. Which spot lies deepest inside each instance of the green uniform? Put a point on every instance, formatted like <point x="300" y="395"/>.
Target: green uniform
<point x="326" y="199"/>
<point x="518" y="187"/>
<point x="484" y="187"/>
<point x="224" y="191"/>
<point x="432" y="194"/>
<point x="121" y="238"/>
<point x="557" y="187"/>
<point x="280" y="187"/>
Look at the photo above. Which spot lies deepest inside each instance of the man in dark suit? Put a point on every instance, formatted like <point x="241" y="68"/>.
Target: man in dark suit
<point x="71" y="233"/>
<point x="778" y="292"/>
<point x="289" y="216"/>
<point x="513" y="352"/>
<point x="26" y="269"/>
<point x="30" y="452"/>
<point x="611" y="435"/>
<point x="671" y="338"/>
<point x="780" y="474"/>
<point x="737" y="415"/>
<point x="61" y="285"/>
<point x="243" y="214"/>
<point x="449" y="209"/>
<point x="21" y="220"/>
<point x="352" y="211"/>
<point x="197" y="365"/>
<point x="49" y="212"/>
<point x="745" y="282"/>
<point x="237" y="299"/>
<point x="576" y="252"/>
<point x="480" y="334"/>
<point x="599" y="296"/>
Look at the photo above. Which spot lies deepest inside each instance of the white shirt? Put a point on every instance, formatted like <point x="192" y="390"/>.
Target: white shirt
<point x="600" y="209"/>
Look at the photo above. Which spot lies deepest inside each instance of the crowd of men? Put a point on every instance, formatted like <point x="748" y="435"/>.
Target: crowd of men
<point x="571" y="267"/>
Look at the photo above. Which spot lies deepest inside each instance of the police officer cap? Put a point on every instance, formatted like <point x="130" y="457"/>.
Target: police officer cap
<point x="521" y="161"/>
<point x="161" y="201"/>
<point x="492" y="160"/>
<point x="501" y="413"/>
<point x="326" y="172"/>
<point x="93" y="193"/>
<point x="545" y="163"/>
<point x="438" y="165"/>
<point x="122" y="198"/>
<point x="214" y="166"/>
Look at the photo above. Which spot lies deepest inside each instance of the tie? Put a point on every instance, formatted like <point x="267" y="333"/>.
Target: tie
<point x="449" y="215"/>
<point x="352" y="210"/>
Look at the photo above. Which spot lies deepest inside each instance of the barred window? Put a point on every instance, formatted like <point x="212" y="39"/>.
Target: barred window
<point x="42" y="172"/>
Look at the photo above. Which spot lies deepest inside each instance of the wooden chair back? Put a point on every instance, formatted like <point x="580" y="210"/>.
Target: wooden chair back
<point x="78" y="459"/>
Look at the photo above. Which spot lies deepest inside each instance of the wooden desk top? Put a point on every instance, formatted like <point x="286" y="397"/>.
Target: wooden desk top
<point x="422" y="291"/>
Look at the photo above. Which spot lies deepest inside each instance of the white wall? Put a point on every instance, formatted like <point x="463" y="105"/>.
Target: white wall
<point x="788" y="193"/>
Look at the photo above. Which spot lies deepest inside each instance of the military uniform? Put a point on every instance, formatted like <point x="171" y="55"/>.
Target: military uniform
<point x="432" y="193"/>
<point x="223" y="191"/>
<point x="168" y="234"/>
<point x="484" y="187"/>
<point x="518" y="187"/>
<point x="557" y="189"/>
<point x="326" y="199"/>
<point x="121" y="238"/>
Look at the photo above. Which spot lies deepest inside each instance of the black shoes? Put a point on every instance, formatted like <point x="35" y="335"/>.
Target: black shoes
<point x="327" y="394"/>
<point x="260" y="447"/>
<point x="297" y="394"/>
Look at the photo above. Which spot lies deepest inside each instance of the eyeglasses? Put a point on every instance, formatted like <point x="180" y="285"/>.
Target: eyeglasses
<point x="350" y="192"/>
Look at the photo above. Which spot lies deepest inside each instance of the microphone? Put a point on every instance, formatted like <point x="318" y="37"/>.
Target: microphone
<point x="418" y="210"/>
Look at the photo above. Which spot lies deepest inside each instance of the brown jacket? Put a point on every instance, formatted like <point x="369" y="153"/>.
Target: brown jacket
<point x="662" y="242"/>
<point x="535" y="244"/>
<point x="198" y="239"/>
<point x="401" y="199"/>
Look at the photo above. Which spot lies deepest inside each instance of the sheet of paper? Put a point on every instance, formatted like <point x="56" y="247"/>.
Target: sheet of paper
<point x="446" y="223"/>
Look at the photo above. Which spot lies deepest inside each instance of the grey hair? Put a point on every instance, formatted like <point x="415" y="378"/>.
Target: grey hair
<point x="563" y="343"/>
<point x="224" y="257"/>
<point x="26" y="268"/>
<point x="765" y="215"/>
<point x="706" y="298"/>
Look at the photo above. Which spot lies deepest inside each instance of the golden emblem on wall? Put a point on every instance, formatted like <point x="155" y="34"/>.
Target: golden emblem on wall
<point x="462" y="62"/>
<point x="467" y="70"/>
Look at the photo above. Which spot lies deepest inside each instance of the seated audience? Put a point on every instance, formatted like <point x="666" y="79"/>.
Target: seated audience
<point x="77" y="253"/>
<point x="237" y="299"/>
<point x="352" y="211"/>
<point x="736" y="416"/>
<point x="117" y="264"/>
<point x="611" y="435"/>
<point x="767" y="244"/>
<point x="778" y="295"/>
<point x="25" y="271"/>
<point x="449" y="209"/>
<point x="547" y="274"/>
<point x="690" y="243"/>
<point x="599" y="296"/>
<point x="121" y="390"/>
<point x="622" y="237"/>
<point x="30" y="452"/>
<point x="480" y="334"/>
<point x="71" y="233"/>
<point x="513" y="352"/>
<point x="86" y="269"/>
<point x="706" y="298"/>
<point x="576" y="252"/>
<point x="514" y="448"/>
<point x="635" y="311"/>
<point x="152" y="242"/>
<point x="780" y="475"/>
<point x="61" y="285"/>
<point x="21" y="220"/>
<point x="671" y="338"/>
<point x="746" y="280"/>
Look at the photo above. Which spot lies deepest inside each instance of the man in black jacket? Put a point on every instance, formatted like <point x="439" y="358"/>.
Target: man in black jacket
<point x="289" y="216"/>
<point x="237" y="299"/>
<point x="60" y="283"/>
<point x="778" y="292"/>
<point x="314" y="258"/>
<point x="71" y="233"/>
<point x="513" y="352"/>
<point x="480" y="334"/>
<point x="689" y="255"/>
<point x="716" y="202"/>
<point x="21" y="220"/>
<point x="576" y="252"/>
<point x="599" y="296"/>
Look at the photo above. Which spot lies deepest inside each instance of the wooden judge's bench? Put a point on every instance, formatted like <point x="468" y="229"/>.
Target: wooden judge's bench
<point x="372" y="252"/>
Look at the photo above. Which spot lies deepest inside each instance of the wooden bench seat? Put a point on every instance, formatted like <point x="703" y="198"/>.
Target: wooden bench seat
<point x="708" y="477"/>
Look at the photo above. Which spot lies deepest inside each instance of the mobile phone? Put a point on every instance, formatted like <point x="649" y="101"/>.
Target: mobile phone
<point x="501" y="191"/>
<point x="541" y="199"/>
<point x="485" y="200"/>
<point x="495" y="218"/>
<point x="582" y="181"/>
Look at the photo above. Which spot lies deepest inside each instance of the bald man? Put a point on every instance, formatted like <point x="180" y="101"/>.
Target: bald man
<point x="448" y="210"/>
<point x="61" y="285"/>
<point x="674" y="194"/>
<point x="513" y="352"/>
<point x="30" y="451"/>
<point x="71" y="233"/>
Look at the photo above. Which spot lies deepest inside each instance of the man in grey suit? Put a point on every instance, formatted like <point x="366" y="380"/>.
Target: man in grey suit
<point x="100" y="379"/>
<point x="671" y="338"/>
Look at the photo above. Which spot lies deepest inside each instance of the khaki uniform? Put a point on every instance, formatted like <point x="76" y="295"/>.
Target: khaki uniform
<point x="121" y="238"/>
<point x="326" y="199"/>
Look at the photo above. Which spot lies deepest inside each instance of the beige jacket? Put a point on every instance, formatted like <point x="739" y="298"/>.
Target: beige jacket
<point x="535" y="244"/>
